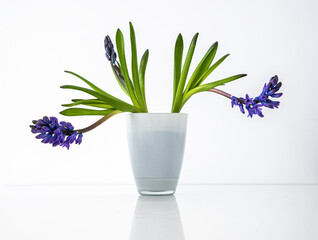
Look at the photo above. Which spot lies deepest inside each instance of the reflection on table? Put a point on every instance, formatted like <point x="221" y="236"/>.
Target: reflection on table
<point x="157" y="218"/>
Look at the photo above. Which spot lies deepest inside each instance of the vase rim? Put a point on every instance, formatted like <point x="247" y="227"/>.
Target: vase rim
<point x="159" y="113"/>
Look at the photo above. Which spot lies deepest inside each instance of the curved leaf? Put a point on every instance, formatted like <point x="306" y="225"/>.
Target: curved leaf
<point x="209" y="86"/>
<point x="84" y="111"/>
<point x="184" y="73"/>
<point x="210" y="70"/>
<point x="120" y="79"/>
<point x="134" y="66"/>
<point x="89" y="102"/>
<point x="97" y="89"/>
<point x="142" y="71"/>
<point x="122" y="58"/>
<point x="108" y="99"/>
<point x="202" y="66"/>
<point x="178" y="52"/>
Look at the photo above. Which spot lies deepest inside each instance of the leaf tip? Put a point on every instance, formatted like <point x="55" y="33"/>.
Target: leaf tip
<point x="118" y="31"/>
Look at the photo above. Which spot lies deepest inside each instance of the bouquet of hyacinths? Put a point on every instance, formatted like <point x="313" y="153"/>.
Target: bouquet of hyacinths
<point x="104" y="104"/>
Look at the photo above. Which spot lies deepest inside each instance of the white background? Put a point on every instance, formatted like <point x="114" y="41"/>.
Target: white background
<point x="41" y="39"/>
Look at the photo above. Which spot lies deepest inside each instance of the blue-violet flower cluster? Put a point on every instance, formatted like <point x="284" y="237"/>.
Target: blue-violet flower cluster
<point x="109" y="48"/>
<point x="254" y="106"/>
<point x="55" y="133"/>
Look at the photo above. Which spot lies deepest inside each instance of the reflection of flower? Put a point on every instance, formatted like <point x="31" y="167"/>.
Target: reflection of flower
<point x="253" y="106"/>
<point x="55" y="133"/>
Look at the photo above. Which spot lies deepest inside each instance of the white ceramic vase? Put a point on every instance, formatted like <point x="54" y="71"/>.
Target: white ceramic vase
<point x="156" y="145"/>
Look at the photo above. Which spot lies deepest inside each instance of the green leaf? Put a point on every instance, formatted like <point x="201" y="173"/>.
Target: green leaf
<point x="89" y="102"/>
<point x="107" y="98"/>
<point x="142" y="71"/>
<point x="184" y="73"/>
<point x="134" y="66"/>
<point x="209" y="86"/>
<point x="120" y="79"/>
<point x="178" y="52"/>
<point x="202" y="66"/>
<point x="122" y="58"/>
<point x="83" y="111"/>
<point x="94" y="99"/>
<point x="210" y="70"/>
<point x="97" y="89"/>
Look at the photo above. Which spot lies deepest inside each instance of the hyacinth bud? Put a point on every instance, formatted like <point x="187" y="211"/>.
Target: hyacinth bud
<point x="113" y="57"/>
<point x="274" y="80"/>
<point x="109" y="50"/>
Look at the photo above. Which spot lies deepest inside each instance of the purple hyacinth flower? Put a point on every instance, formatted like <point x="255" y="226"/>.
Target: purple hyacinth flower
<point x="256" y="110"/>
<point x="253" y="106"/>
<point x="111" y="56"/>
<point x="248" y="101"/>
<point x="55" y="133"/>
<point x="109" y="50"/>
<point x="234" y="101"/>
<point x="79" y="139"/>
<point x="274" y="80"/>
<point x="241" y="108"/>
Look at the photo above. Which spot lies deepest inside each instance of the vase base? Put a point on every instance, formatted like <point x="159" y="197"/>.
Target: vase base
<point x="156" y="193"/>
<point x="156" y="187"/>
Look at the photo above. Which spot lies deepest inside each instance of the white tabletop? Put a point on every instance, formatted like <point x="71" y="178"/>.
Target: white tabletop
<point x="195" y="212"/>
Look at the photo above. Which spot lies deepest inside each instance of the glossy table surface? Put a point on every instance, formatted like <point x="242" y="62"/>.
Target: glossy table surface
<point x="197" y="212"/>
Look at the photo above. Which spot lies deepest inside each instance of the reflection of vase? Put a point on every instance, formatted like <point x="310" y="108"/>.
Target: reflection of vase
<point x="156" y="145"/>
<point x="157" y="218"/>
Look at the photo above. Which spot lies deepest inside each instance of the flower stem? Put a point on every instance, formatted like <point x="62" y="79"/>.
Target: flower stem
<point x="218" y="91"/>
<point x="99" y="122"/>
<point x="225" y="94"/>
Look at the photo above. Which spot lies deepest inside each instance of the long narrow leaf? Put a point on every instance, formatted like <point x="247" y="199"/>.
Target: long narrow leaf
<point x="84" y="111"/>
<point x="209" y="86"/>
<point x="202" y="66"/>
<point x="97" y="89"/>
<point x="108" y="99"/>
<point x="178" y="52"/>
<point x="210" y="70"/>
<point x="184" y="73"/>
<point x="122" y="58"/>
<point x="90" y="102"/>
<point x="94" y="100"/>
<point x="120" y="79"/>
<point x="134" y="66"/>
<point x="142" y="71"/>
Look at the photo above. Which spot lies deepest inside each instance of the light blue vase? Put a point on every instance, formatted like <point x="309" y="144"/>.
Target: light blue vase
<point x="156" y="145"/>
